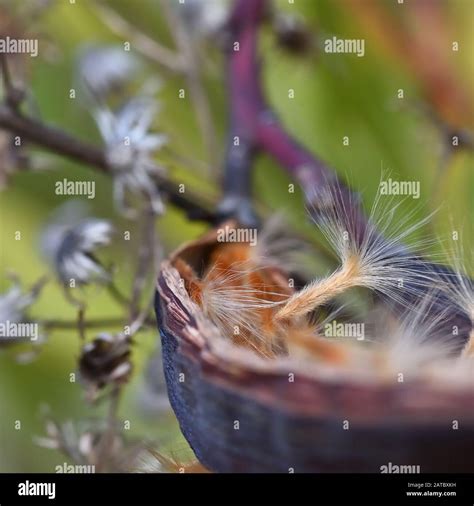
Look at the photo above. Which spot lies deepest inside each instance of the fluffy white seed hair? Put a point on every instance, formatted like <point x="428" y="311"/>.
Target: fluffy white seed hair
<point x="276" y="246"/>
<point x="461" y="288"/>
<point x="419" y="340"/>
<point x="233" y="305"/>
<point x="373" y="256"/>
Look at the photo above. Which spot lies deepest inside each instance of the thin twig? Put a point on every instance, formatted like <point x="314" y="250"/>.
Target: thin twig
<point x="144" y="260"/>
<point x="107" y="439"/>
<point x="13" y="95"/>
<point x="150" y="256"/>
<point x="88" y="324"/>
<point x="62" y="143"/>
<point x="147" y="46"/>
<point x="81" y="323"/>
<point x="117" y="295"/>
<point x="81" y="311"/>
<point x="5" y="73"/>
<point x="192" y="72"/>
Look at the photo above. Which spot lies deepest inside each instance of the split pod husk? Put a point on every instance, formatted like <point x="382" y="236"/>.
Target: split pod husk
<point x="241" y="412"/>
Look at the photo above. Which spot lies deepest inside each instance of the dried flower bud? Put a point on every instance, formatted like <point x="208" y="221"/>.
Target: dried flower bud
<point x="293" y="34"/>
<point x="105" y="361"/>
<point x="105" y="69"/>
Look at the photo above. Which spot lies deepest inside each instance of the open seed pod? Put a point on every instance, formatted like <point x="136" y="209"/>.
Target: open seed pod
<point x="287" y="400"/>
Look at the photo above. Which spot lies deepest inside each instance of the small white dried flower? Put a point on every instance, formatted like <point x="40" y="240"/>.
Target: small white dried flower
<point x="13" y="312"/>
<point x="129" y="147"/>
<point x="204" y="16"/>
<point x="419" y="339"/>
<point x="104" y="69"/>
<point x="70" y="248"/>
<point x="14" y="303"/>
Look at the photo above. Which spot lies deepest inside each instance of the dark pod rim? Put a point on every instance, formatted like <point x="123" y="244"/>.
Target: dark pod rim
<point x="301" y="388"/>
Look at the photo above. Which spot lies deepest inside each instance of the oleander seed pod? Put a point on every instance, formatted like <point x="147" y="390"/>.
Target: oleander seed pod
<point x="270" y="408"/>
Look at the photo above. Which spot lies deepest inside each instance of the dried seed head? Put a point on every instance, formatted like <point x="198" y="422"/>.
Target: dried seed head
<point x="105" y="361"/>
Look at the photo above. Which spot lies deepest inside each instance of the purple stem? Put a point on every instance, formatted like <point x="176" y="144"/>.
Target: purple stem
<point x="255" y="124"/>
<point x="245" y="94"/>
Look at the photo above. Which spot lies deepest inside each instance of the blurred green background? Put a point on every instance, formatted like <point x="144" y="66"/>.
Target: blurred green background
<point x="335" y="96"/>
